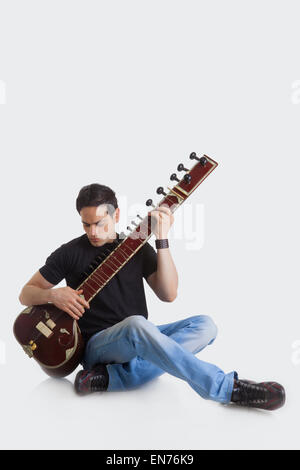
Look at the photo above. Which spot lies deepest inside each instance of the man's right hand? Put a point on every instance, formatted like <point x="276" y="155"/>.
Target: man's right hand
<point x="69" y="300"/>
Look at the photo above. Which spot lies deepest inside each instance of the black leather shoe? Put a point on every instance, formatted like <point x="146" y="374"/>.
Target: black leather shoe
<point x="265" y="395"/>
<point x="88" y="381"/>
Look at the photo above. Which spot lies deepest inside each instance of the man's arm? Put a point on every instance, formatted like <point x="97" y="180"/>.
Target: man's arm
<point x="39" y="291"/>
<point x="164" y="281"/>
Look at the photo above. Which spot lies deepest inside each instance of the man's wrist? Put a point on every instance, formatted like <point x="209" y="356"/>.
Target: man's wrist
<point x="161" y="243"/>
<point x="161" y="236"/>
<point x="49" y="295"/>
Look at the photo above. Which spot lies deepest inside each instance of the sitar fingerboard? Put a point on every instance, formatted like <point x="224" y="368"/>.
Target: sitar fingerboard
<point x="133" y="242"/>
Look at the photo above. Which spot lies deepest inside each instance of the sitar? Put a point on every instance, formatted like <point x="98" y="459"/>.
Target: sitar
<point x="51" y="336"/>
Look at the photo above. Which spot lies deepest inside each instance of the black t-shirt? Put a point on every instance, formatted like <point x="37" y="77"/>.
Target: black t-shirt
<point x="122" y="296"/>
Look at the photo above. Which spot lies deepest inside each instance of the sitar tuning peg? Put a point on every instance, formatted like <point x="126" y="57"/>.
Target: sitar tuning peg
<point x="193" y="156"/>
<point x="141" y="218"/>
<point x="129" y="228"/>
<point x="173" y="177"/>
<point x="133" y="223"/>
<point x="160" y="190"/>
<point x="182" y="168"/>
<point x="149" y="202"/>
<point x="93" y="265"/>
<point x="202" y="160"/>
<point x="187" y="179"/>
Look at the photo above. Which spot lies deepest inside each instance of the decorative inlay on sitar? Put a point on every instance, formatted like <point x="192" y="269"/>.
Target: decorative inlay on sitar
<point x="50" y="335"/>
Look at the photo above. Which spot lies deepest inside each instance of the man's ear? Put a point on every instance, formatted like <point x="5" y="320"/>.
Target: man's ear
<point x="117" y="215"/>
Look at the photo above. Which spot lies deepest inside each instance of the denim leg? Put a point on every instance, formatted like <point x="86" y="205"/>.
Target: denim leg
<point x="136" y="351"/>
<point x="193" y="333"/>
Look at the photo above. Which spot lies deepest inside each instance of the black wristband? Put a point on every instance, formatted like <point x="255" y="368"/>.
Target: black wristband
<point x="163" y="243"/>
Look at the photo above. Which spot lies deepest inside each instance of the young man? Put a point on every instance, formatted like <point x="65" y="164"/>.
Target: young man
<point x="123" y="349"/>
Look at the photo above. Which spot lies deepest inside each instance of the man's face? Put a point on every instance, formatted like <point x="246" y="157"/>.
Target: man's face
<point x="98" y="224"/>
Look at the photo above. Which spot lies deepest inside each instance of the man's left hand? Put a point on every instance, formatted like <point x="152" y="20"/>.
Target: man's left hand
<point x="161" y="221"/>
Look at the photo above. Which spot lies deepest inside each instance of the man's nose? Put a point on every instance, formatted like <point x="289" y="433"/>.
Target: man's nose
<point x="93" y="230"/>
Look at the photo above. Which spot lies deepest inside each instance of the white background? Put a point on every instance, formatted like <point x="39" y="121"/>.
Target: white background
<point x="119" y="93"/>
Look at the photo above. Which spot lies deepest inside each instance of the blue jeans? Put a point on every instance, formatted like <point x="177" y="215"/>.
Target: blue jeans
<point x="136" y="351"/>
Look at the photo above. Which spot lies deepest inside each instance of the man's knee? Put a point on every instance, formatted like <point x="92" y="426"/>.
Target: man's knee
<point x="206" y="323"/>
<point x="135" y="326"/>
<point x="136" y="321"/>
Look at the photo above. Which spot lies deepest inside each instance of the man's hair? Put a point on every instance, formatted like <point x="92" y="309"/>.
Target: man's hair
<point x="95" y="194"/>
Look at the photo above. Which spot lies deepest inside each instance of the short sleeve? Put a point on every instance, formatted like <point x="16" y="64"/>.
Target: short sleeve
<point x="55" y="267"/>
<point x="149" y="260"/>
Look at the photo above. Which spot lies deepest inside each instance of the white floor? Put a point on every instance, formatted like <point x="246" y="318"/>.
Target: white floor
<point x="44" y="413"/>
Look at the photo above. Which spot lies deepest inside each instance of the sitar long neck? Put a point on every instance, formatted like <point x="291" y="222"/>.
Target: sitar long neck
<point x="133" y="242"/>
